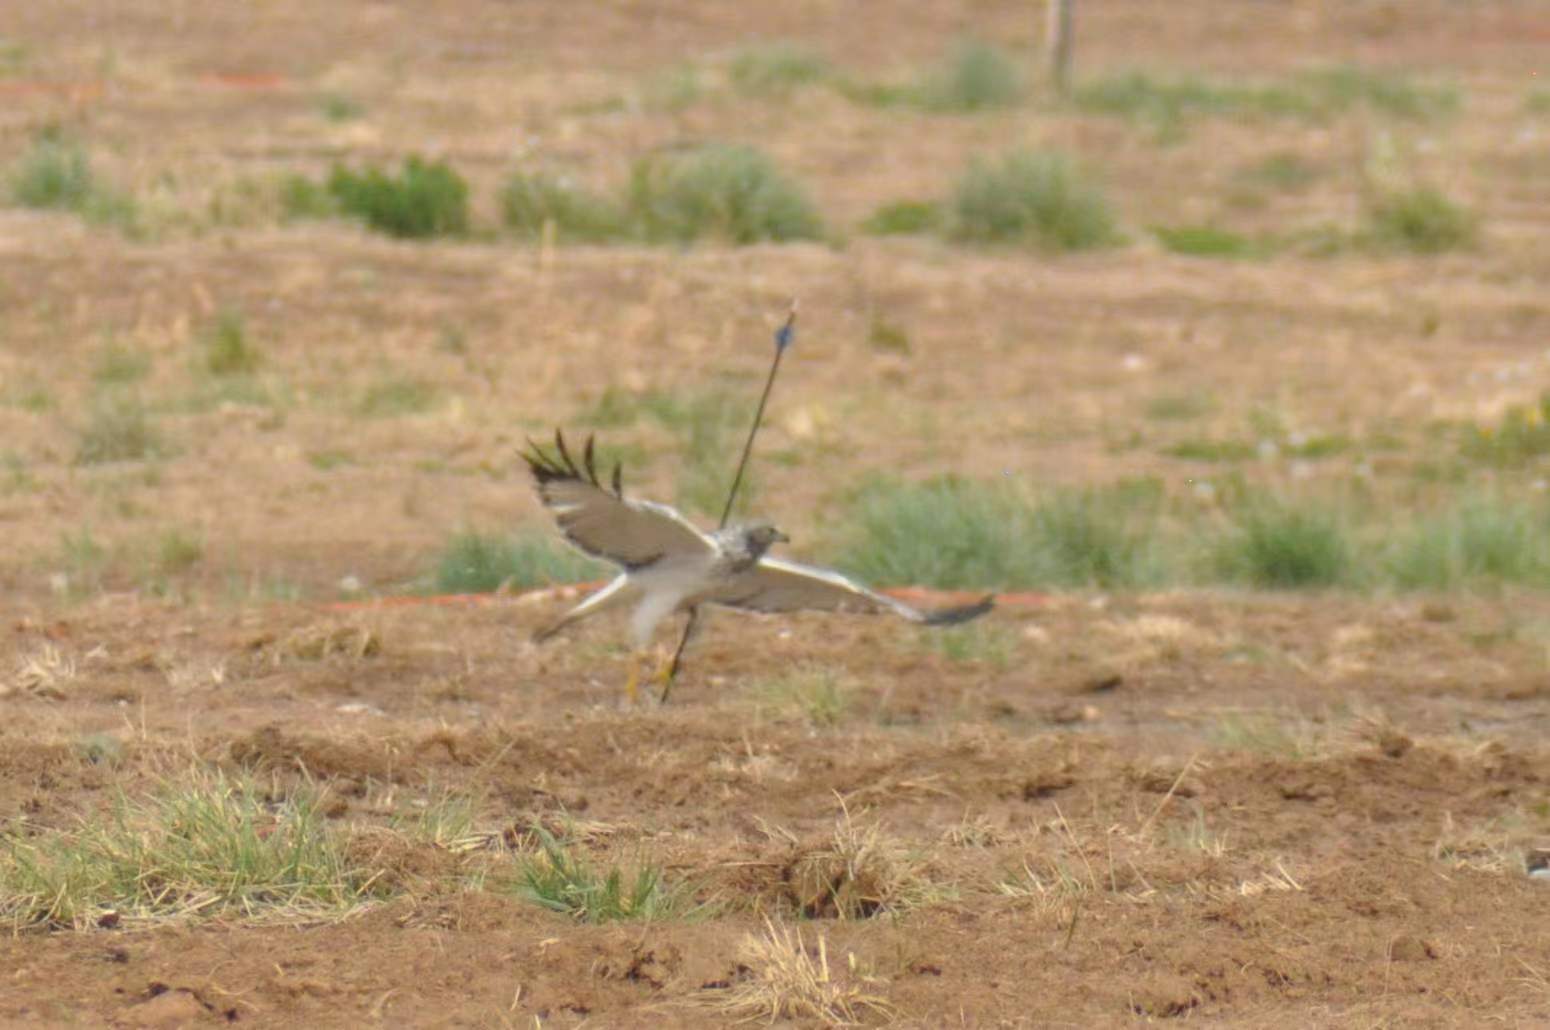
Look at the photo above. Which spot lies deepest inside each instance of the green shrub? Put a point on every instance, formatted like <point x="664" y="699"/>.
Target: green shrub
<point x="1422" y="221"/>
<point x="428" y="198"/>
<point x="529" y="202"/>
<point x="1278" y="546"/>
<point x="724" y="191"/>
<point x="1032" y="197"/>
<point x="476" y="563"/>
<point x="55" y="173"/>
<point x="976" y="76"/>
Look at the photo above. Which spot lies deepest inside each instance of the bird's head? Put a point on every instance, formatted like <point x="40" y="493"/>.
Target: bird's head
<point x="759" y="537"/>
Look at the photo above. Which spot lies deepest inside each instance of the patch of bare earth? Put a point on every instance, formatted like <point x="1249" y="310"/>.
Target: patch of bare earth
<point x="1274" y="811"/>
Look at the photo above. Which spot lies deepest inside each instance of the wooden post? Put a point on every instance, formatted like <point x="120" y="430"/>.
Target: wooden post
<point x="1057" y="43"/>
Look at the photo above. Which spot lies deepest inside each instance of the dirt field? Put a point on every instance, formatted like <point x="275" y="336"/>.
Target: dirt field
<point x="1304" y="809"/>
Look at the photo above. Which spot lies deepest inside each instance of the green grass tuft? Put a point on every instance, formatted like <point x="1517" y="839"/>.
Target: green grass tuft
<point x="477" y="563"/>
<point x="1208" y="241"/>
<point x="1031" y="197"/>
<point x="426" y="199"/>
<point x="202" y="847"/>
<point x="225" y="349"/>
<point x="530" y="202"/>
<point x="1278" y="546"/>
<point x="561" y="880"/>
<point x="729" y="192"/>
<point x="1422" y="221"/>
<point x="337" y="107"/>
<point x="903" y="218"/>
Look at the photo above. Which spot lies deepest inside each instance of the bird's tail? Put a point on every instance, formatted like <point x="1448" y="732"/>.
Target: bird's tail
<point x="961" y="613"/>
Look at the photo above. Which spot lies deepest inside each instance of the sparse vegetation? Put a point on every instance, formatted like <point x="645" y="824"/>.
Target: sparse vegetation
<point x="476" y="563"/>
<point x="1341" y="87"/>
<point x="904" y="218"/>
<point x="1167" y="103"/>
<point x="529" y="203"/>
<point x="1484" y="540"/>
<point x="118" y="365"/>
<point x="820" y="694"/>
<point x="394" y="396"/>
<point x="198" y="847"/>
<point x="1522" y="436"/>
<point x="1422" y="221"/>
<point x="1284" y="171"/>
<point x="425" y="199"/>
<point x="1209" y="241"/>
<point x="980" y="641"/>
<point x="1040" y="198"/>
<point x="729" y="192"/>
<point x="776" y="68"/>
<point x="1283" y="736"/>
<point x="119" y="429"/>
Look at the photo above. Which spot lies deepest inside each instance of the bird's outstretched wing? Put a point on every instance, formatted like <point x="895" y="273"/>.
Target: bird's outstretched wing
<point x="599" y="520"/>
<point x="774" y="585"/>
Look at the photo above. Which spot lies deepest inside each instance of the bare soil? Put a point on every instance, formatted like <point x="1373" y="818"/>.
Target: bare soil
<point x="1244" y="809"/>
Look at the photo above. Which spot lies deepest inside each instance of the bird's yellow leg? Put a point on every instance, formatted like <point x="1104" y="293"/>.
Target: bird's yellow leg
<point x="664" y="662"/>
<point x="632" y="685"/>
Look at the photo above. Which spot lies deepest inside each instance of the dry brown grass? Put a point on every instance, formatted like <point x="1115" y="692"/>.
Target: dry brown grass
<point x="785" y="979"/>
<point x="45" y="672"/>
<point x="857" y="872"/>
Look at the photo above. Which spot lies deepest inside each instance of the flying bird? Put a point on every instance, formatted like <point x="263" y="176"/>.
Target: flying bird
<point x="668" y="565"/>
